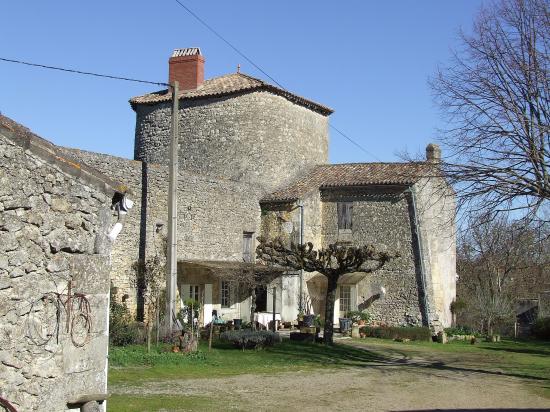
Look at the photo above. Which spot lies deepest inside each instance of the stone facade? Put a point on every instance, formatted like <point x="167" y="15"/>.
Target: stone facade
<point x="213" y="214"/>
<point x="412" y="292"/>
<point x="54" y="219"/>
<point x="256" y="136"/>
<point x="381" y="217"/>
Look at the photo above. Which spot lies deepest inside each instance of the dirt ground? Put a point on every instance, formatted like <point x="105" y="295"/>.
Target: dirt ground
<point x="402" y="384"/>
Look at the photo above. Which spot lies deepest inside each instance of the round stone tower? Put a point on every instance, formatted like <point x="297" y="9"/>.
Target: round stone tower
<point x="233" y="126"/>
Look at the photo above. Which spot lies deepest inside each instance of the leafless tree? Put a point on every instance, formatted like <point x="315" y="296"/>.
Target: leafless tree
<point x="495" y="97"/>
<point x="247" y="277"/>
<point x="332" y="262"/>
<point x="498" y="262"/>
<point x="150" y="274"/>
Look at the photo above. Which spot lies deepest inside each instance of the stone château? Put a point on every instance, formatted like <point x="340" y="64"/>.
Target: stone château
<point x="254" y="161"/>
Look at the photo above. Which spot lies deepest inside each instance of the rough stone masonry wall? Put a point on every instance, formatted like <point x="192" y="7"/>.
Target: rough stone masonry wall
<point x="213" y="213"/>
<point x="52" y="230"/>
<point x="436" y="215"/>
<point x="382" y="219"/>
<point x="256" y="137"/>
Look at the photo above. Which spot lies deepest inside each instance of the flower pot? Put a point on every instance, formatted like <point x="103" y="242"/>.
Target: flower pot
<point x="309" y="320"/>
<point x="238" y="323"/>
<point x="345" y="324"/>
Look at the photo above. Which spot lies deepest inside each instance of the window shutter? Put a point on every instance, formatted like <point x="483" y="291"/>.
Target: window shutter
<point x="345" y="210"/>
<point x="247" y="247"/>
<point x="336" y="306"/>
<point x="207" y="303"/>
<point x="349" y="210"/>
<point x="341" y="215"/>
<point x="353" y="297"/>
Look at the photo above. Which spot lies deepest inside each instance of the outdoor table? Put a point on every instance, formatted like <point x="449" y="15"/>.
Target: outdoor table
<point x="264" y="318"/>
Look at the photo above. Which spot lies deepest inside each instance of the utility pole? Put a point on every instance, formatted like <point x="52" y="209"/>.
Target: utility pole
<point x="172" y="260"/>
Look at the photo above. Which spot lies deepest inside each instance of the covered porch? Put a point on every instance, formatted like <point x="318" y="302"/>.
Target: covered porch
<point x="350" y="294"/>
<point x="223" y="288"/>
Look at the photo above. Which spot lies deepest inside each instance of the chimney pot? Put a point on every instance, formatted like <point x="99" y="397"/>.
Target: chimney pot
<point x="433" y="153"/>
<point x="187" y="67"/>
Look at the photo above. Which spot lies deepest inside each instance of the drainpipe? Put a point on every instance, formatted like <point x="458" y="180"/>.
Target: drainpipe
<point x="419" y="241"/>
<point x="300" y="204"/>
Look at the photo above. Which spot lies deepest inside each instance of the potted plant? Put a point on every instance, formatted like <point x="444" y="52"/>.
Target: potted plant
<point x="300" y="319"/>
<point x="309" y="320"/>
<point x="345" y="324"/>
<point x="319" y="323"/>
<point x="358" y="316"/>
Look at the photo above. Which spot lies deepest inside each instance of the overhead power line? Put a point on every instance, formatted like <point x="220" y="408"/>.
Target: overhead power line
<point x="240" y="53"/>
<point x="82" y="72"/>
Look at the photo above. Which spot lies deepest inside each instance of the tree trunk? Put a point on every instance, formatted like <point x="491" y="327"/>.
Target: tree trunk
<point x="329" y="309"/>
<point x="252" y="307"/>
<point x="210" y="335"/>
<point x="149" y="331"/>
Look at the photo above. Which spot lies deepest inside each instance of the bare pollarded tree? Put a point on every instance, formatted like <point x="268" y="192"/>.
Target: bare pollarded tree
<point x="332" y="262"/>
<point x="495" y="95"/>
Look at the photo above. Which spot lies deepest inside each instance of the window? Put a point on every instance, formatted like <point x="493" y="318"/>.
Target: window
<point x="247" y="246"/>
<point x="345" y="299"/>
<point x="225" y="294"/>
<point x="345" y="211"/>
<point x="194" y="292"/>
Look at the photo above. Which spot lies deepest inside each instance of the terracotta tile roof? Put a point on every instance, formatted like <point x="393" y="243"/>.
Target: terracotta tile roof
<point x="227" y="85"/>
<point x="352" y="174"/>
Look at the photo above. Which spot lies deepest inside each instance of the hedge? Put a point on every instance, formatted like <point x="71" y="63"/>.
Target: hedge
<point x="249" y="339"/>
<point x="541" y="329"/>
<point x="395" y="332"/>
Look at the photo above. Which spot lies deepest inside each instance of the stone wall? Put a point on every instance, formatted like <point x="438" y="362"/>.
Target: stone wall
<point x="213" y="213"/>
<point x="53" y="226"/>
<point x="380" y="217"/>
<point x="436" y="217"/>
<point x="257" y="137"/>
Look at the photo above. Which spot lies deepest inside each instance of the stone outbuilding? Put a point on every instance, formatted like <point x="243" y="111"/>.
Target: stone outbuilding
<point x="57" y="228"/>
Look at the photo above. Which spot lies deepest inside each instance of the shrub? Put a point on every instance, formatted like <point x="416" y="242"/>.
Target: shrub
<point x="357" y="315"/>
<point x="394" y="332"/>
<point x="541" y="329"/>
<point x="122" y="329"/>
<point x="249" y="339"/>
<point x="459" y="330"/>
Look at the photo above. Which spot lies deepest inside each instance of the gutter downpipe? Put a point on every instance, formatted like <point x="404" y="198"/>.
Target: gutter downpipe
<point x="419" y="241"/>
<point x="300" y="204"/>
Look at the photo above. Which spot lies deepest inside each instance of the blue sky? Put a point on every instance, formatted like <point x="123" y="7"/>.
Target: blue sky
<point x="368" y="60"/>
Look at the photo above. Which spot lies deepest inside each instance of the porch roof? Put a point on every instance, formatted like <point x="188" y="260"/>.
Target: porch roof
<point x="347" y="279"/>
<point x="351" y="278"/>
<point x="220" y="268"/>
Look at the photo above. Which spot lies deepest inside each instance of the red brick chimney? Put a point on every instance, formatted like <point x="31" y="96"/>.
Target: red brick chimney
<point x="187" y="67"/>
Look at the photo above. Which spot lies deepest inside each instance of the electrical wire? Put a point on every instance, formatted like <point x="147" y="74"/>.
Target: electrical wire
<point x="82" y="72"/>
<point x="167" y="85"/>
<point x="240" y="53"/>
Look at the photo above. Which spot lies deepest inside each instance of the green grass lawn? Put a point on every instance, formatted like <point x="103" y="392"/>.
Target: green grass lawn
<point x="528" y="360"/>
<point x="133" y="366"/>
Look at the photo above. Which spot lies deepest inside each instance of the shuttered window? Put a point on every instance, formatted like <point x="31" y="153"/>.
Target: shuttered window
<point x="345" y="212"/>
<point x="247" y="247"/>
